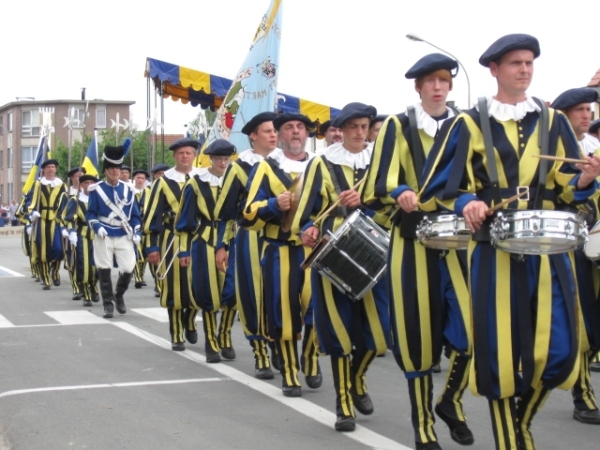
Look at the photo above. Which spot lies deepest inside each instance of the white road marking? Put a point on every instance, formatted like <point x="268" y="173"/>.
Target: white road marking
<point x="75" y="317"/>
<point x="112" y="385"/>
<point x="12" y="272"/>
<point x="5" y="323"/>
<point x="313" y="411"/>
<point x="159" y="314"/>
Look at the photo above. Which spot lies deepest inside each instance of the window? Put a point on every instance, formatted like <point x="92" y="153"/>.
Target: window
<point x="9" y="122"/>
<point x="27" y="158"/>
<point x="1" y="125"/>
<point x="30" y="125"/>
<point x="100" y="118"/>
<point x="9" y="161"/>
<point x="77" y="117"/>
<point x="10" y="192"/>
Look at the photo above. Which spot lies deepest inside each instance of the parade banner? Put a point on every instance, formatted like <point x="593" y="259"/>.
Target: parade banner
<point x="90" y="162"/>
<point x="254" y="88"/>
<point x="40" y="157"/>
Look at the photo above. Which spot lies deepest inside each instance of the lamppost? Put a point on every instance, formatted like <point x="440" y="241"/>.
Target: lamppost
<point x="414" y="37"/>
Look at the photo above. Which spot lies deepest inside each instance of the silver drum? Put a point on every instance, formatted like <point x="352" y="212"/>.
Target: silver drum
<point x="538" y="232"/>
<point x="444" y="232"/>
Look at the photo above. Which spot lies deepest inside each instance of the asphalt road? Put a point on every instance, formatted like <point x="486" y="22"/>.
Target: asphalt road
<point x="70" y="379"/>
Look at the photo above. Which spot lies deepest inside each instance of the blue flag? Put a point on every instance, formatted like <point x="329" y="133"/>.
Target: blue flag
<point x="90" y="162"/>
<point x="40" y="157"/>
<point x="254" y="88"/>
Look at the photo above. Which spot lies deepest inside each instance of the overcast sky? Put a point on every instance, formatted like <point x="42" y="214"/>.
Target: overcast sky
<point x="332" y="51"/>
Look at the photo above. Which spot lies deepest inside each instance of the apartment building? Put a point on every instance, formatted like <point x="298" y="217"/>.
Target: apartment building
<point x="21" y="124"/>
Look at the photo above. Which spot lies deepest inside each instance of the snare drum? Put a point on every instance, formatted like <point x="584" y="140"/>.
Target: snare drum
<point x="444" y="232"/>
<point x="538" y="232"/>
<point x="592" y="246"/>
<point x="354" y="258"/>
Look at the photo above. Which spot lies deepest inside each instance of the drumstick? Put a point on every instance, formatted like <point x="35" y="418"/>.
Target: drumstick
<point x="506" y="202"/>
<point x="558" y="158"/>
<point x="325" y="213"/>
<point x="594" y="232"/>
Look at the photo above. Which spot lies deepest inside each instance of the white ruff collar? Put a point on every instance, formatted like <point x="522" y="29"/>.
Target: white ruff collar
<point x="205" y="175"/>
<point x="172" y="174"/>
<point x="54" y="183"/>
<point x="337" y="154"/>
<point x="83" y="197"/>
<point x="138" y="191"/>
<point x="504" y="112"/>
<point x="289" y="165"/>
<point x="427" y="123"/>
<point x="249" y="157"/>
<point x="589" y="144"/>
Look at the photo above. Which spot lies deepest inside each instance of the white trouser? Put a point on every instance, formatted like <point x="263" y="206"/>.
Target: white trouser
<point x="119" y="247"/>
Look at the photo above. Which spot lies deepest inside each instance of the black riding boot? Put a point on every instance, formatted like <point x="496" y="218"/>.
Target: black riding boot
<point x="122" y="285"/>
<point x="106" y="291"/>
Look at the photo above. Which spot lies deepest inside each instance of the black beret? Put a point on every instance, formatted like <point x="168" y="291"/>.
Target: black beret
<point x="507" y="44"/>
<point x="288" y="117"/>
<point x="138" y="171"/>
<point x="160" y="167"/>
<point x="184" y="142"/>
<point x="262" y="117"/>
<point x="430" y="63"/>
<point x="573" y="97"/>
<point x="48" y="162"/>
<point x="73" y="171"/>
<point x="324" y="127"/>
<point x="594" y="126"/>
<point x="378" y="118"/>
<point x="220" y="147"/>
<point x="353" y="110"/>
<point x="84" y="178"/>
<point x="126" y="168"/>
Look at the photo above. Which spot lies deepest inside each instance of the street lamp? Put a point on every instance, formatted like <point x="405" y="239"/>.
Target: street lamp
<point x="414" y="37"/>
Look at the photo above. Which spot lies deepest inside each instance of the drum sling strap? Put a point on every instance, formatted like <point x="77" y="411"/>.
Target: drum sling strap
<point x="543" y="138"/>
<point x="410" y="221"/>
<point x="340" y="211"/>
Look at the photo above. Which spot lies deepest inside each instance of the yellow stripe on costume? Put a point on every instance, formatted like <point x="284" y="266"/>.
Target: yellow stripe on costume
<point x="503" y="325"/>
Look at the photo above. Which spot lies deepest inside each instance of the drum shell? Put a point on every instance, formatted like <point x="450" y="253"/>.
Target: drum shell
<point x="355" y="257"/>
<point x="592" y="246"/>
<point x="444" y="232"/>
<point x="538" y="232"/>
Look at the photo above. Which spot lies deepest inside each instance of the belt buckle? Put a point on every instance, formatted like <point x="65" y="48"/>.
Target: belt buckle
<point x="525" y="191"/>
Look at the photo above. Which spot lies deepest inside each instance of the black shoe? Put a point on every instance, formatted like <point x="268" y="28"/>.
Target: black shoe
<point x="108" y="311"/>
<point x="37" y="280"/>
<point x="228" y="353"/>
<point x="291" y="391"/>
<point x="177" y="346"/>
<point x="144" y="283"/>
<point x="121" y="309"/>
<point x="87" y="303"/>
<point x="459" y="431"/>
<point x="191" y="336"/>
<point x="265" y="373"/>
<point x="138" y="284"/>
<point x="77" y="296"/>
<point x="212" y="356"/>
<point x="156" y="292"/>
<point x="362" y="403"/>
<point x="595" y="366"/>
<point x="45" y="287"/>
<point x="427" y="446"/>
<point x="345" y="423"/>
<point x="586" y="416"/>
<point x="95" y="298"/>
<point x="314" y="381"/>
<point x="436" y="369"/>
<point x="56" y="282"/>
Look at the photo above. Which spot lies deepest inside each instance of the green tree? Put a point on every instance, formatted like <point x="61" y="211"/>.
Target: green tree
<point x="139" y="149"/>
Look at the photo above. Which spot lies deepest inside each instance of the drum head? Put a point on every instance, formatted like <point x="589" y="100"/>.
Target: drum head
<point x="592" y="247"/>
<point x="315" y="252"/>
